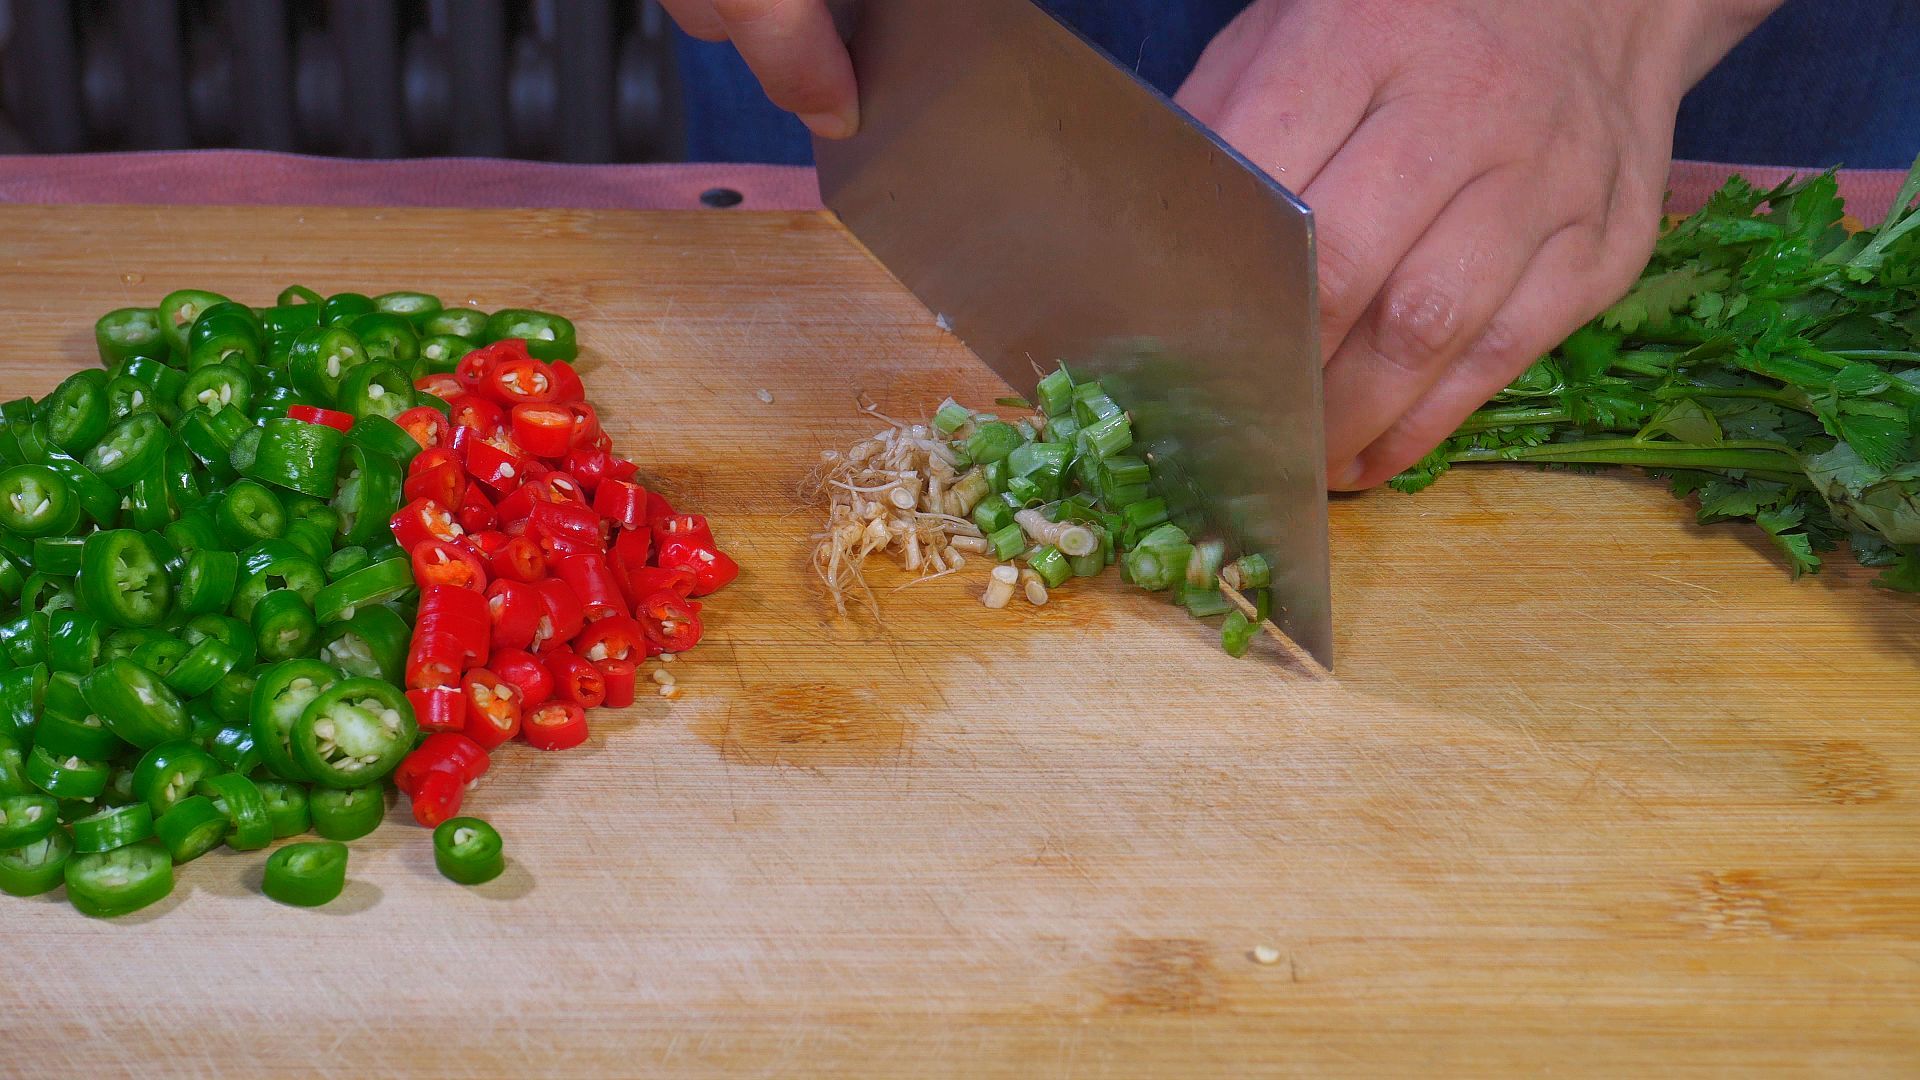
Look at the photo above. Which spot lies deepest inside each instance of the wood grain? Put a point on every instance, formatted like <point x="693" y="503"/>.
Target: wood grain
<point x="1596" y="790"/>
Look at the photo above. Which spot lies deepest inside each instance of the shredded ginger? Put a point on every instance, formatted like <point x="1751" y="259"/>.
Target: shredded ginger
<point x="898" y="492"/>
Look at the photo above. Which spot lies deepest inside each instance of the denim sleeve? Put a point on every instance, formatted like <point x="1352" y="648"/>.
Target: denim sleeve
<point x="1822" y="82"/>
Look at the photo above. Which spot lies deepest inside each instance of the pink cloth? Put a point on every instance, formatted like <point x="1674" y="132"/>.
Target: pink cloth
<point x="251" y="177"/>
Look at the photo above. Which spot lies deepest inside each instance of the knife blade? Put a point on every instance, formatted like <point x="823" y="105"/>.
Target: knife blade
<point x="1052" y="207"/>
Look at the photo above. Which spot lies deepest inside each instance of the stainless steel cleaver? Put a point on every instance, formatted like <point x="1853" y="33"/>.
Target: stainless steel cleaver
<point x="1055" y="208"/>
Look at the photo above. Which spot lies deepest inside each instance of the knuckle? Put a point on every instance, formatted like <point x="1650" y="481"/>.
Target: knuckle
<point x="1417" y="323"/>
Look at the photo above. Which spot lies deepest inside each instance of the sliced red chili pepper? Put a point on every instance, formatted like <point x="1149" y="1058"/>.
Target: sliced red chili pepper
<point x="441" y="479"/>
<point x="436" y="799"/>
<point x="462" y="613"/>
<point x="441" y="562"/>
<point x="525" y="671"/>
<point x="439" y="708"/>
<point x="520" y="381"/>
<point x="712" y="568"/>
<point x="488" y="542"/>
<point x="567" y="387"/>
<point x="428" y="426"/>
<point x="493" y="708"/>
<point x="658" y="509"/>
<point x="561" y="618"/>
<point x="574" y="679"/>
<point x="476" y="513"/>
<point x="586" y="423"/>
<point x="554" y="487"/>
<point x="445" y="752"/>
<point x="476" y="413"/>
<point x="691" y="528"/>
<point x="444" y="385"/>
<point x="434" y="659"/>
<point x="472" y="369"/>
<point x="621" y="676"/>
<point x="557" y="725"/>
<point x="494" y="465"/>
<point x="422" y="520"/>
<point x="632" y="549"/>
<point x="669" y="621"/>
<point x="571" y="518"/>
<point x="519" y="559"/>
<point x="515" y="609"/>
<point x="543" y="430"/>
<point x="592" y="581"/>
<point x="647" y="580"/>
<point x="313" y="414"/>
<point x="616" y="638"/>
<point x="622" y="502"/>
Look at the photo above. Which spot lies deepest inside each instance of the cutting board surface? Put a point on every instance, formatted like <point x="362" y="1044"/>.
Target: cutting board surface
<point x="1595" y="788"/>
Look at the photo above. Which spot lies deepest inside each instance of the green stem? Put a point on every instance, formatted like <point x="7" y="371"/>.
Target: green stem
<point x="1742" y="456"/>
<point x="1488" y="419"/>
<point x="1652" y="362"/>
<point x="1876" y="354"/>
<point x="1790" y="399"/>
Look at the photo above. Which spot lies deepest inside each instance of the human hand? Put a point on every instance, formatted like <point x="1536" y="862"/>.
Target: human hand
<point x="793" y="49"/>
<point x="1485" y="176"/>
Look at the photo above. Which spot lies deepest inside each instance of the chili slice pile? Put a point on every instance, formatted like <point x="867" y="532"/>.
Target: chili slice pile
<point x="204" y="619"/>
<point x="548" y="572"/>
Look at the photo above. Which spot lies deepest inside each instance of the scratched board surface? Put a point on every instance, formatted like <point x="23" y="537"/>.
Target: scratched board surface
<point x="1594" y="789"/>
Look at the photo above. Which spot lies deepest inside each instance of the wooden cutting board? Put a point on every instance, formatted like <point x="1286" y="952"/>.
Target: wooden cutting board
<point x="1595" y="789"/>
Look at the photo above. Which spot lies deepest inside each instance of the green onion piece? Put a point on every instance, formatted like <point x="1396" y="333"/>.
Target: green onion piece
<point x="1087" y="391"/>
<point x="1203" y="569"/>
<point x="1262" y="605"/>
<point x="1128" y="496"/>
<point x="1026" y="430"/>
<point x="1236" y="634"/>
<point x="1026" y="490"/>
<point x="1145" y="514"/>
<point x="1062" y="428"/>
<point x="1125" y="471"/>
<point x="1055" y="392"/>
<point x="1007" y="542"/>
<point x="1038" y="457"/>
<point x="1051" y="564"/>
<point x="1158" y="567"/>
<point x="1110" y="435"/>
<point x="1249" y="572"/>
<point x="1014" y="401"/>
<point x="950" y="416"/>
<point x="1166" y="536"/>
<point x="1206" y="603"/>
<point x="996" y="474"/>
<point x="992" y="441"/>
<point x="1092" y="410"/>
<point x="992" y="515"/>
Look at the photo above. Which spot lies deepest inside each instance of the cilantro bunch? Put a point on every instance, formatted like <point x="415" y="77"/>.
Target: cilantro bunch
<point x="1767" y="362"/>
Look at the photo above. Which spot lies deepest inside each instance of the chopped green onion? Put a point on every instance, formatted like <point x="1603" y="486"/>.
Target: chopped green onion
<point x="1118" y="472"/>
<point x="1077" y="540"/>
<point x="1055" y="392"/>
<point x="1051" y="564"/>
<point x="1109" y="436"/>
<point x="1249" y="572"/>
<point x="992" y="441"/>
<point x="1026" y="489"/>
<point x="1037" y="457"/>
<point x="1158" y="567"/>
<point x="950" y="416"/>
<point x="1013" y="402"/>
<point x="1203" y="570"/>
<point x="992" y="515"/>
<point x="1166" y="535"/>
<point x="1128" y="496"/>
<point x="1027" y="431"/>
<point x="1062" y="428"/>
<point x="1236" y="634"/>
<point x="1007" y="542"/>
<point x="996" y="474"/>
<point x="1262" y="605"/>
<point x="1205" y="603"/>
<point x="1090" y="411"/>
<point x="1145" y="514"/>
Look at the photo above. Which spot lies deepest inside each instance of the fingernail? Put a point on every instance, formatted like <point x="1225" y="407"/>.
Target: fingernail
<point x="831" y="125"/>
<point x="1348" y="475"/>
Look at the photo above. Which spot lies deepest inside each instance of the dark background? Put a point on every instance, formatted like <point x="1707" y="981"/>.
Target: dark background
<point x="560" y="80"/>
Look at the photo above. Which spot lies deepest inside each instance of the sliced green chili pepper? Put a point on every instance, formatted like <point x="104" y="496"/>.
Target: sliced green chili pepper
<point x="36" y="501"/>
<point x="313" y="536"/>
<point x="112" y="827"/>
<point x="345" y="561"/>
<point x="22" y="689"/>
<point x="179" y="309"/>
<point x="284" y="626"/>
<point x="245" y="808"/>
<point x="38" y="867"/>
<point x="297" y="294"/>
<point x="204" y="665"/>
<point x="74" y="641"/>
<point x="320" y="358"/>
<point x="25" y="639"/>
<point x="342" y="308"/>
<point x="377" y="389"/>
<point x="135" y="703"/>
<point x="76" y="413"/>
<point x="414" y="306"/>
<point x="65" y="733"/>
<point x="217" y="386"/>
<point x="210" y="439"/>
<point x="126" y="396"/>
<point x="297" y="455"/>
<point x="468" y="850"/>
<point x="248" y="513"/>
<point x="355" y="732"/>
<point x="368" y="492"/>
<point x="273" y="565"/>
<point x="286" y="807"/>
<point x="125" y="333"/>
<point x="161" y="655"/>
<point x="347" y="814"/>
<point x="548" y="336"/>
<point x="440" y="354"/>
<point x="66" y="777"/>
<point x="286" y="319"/>
<point x="226" y="629"/>
<point x="232" y="697"/>
<point x="26" y="818"/>
<point x="368" y="587"/>
<point x="208" y="582"/>
<point x="387" y="338"/>
<point x="233" y="747"/>
<point x="123" y="578"/>
<point x="307" y="874"/>
<point x="457" y="322"/>
<point x="146" y="505"/>
<point x="193" y="532"/>
<point x="191" y="828"/>
<point x="220" y="320"/>
<point x="371" y="644"/>
<point x="186" y="485"/>
<point x="109" y="883"/>
<point x="281" y="695"/>
<point x="168" y="773"/>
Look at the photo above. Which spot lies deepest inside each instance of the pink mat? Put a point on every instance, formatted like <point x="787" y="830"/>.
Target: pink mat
<point x="251" y="177"/>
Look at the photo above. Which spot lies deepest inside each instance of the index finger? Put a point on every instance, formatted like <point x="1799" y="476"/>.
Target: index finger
<point x="795" y="51"/>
